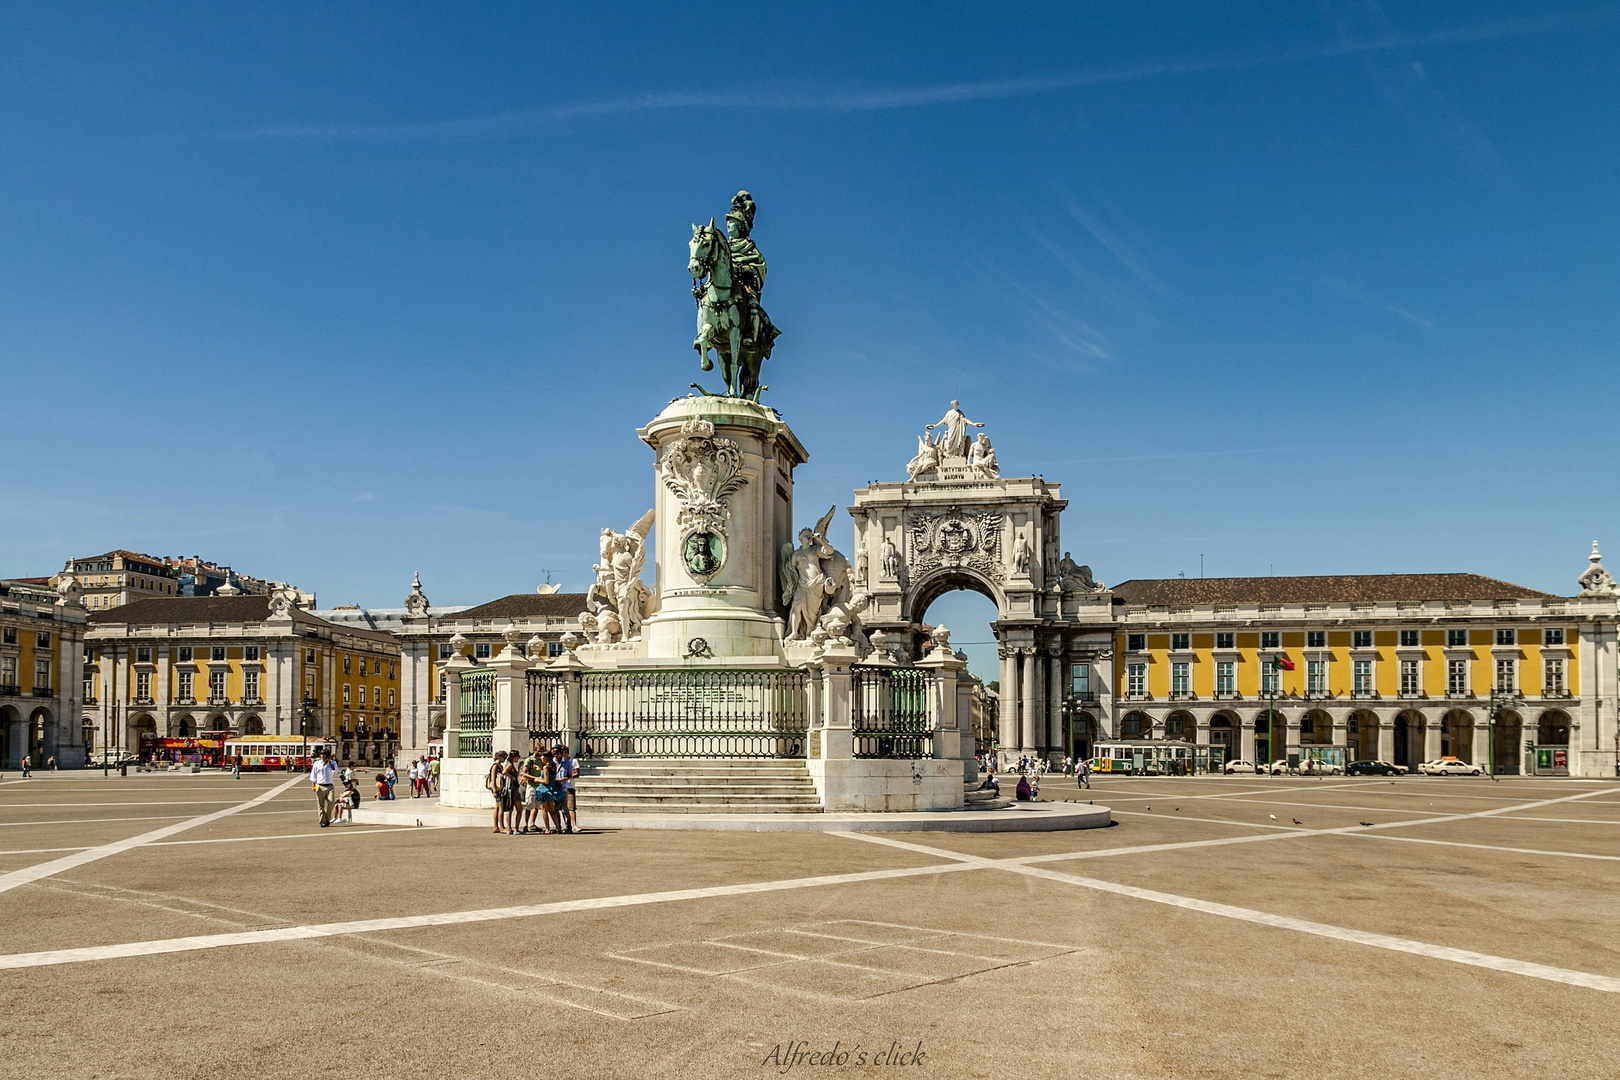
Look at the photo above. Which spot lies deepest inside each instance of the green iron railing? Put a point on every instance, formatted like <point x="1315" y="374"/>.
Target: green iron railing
<point x="889" y="712"/>
<point x="544" y="701"/>
<point x="477" y="712"/>
<point x="687" y="713"/>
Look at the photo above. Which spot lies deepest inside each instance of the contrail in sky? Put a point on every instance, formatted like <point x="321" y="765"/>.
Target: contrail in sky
<point x="518" y="122"/>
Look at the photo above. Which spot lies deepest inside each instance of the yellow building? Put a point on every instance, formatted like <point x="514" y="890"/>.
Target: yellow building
<point x="41" y="636"/>
<point x="118" y="577"/>
<point x="183" y="668"/>
<point x="1398" y="667"/>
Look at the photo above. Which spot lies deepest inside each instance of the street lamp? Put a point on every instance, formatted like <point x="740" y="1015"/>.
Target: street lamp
<point x="1500" y="699"/>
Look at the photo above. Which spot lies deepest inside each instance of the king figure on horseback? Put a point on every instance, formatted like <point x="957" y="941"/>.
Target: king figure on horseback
<point x="728" y="275"/>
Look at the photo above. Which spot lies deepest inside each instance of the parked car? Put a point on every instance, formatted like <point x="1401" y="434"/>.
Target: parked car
<point x="1317" y="767"/>
<point x="1276" y="768"/>
<point x="1449" y="766"/>
<point x="1372" y="768"/>
<point x="1239" y="767"/>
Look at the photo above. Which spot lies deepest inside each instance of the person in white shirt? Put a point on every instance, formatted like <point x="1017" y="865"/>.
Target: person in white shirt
<point x="322" y="774"/>
<point x="411" y="775"/>
<point x="567" y="772"/>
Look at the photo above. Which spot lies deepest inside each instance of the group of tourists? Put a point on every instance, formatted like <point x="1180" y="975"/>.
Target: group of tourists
<point x="540" y="786"/>
<point x="424" y="777"/>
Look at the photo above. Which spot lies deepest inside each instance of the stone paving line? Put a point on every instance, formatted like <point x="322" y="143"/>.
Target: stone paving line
<point x="17" y="878"/>
<point x="1605" y="983"/>
<point x="957" y="862"/>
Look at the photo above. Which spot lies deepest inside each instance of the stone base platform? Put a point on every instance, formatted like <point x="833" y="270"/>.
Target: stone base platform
<point x="1020" y="817"/>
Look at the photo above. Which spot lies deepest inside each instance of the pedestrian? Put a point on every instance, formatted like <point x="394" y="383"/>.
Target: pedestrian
<point x="433" y="774"/>
<point x="392" y="777"/>
<point x="495" y="782"/>
<point x="567" y="772"/>
<point x="236" y="767"/>
<point x="411" y="775"/>
<point x="322" y="773"/>
<point x="1083" y="770"/>
<point x="422" y="777"/>
<point x="531" y="777"/>
<point x="27" y="765"/>
<point x="50" y="763"/>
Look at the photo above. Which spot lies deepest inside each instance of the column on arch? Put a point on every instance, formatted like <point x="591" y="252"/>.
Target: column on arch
<point x="1007" y="702"/>
<point x="1386" y="738"/>
<point x="1431" y="737"/>
<point x="1030" y="740"/>
<point x="1054" y="703"/>
<point x="1245" y="735"/>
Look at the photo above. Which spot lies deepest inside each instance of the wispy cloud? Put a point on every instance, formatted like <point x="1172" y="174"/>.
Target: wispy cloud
<point x="1132" y="259"/>
<point x="1361" y="295"/>
<point x="520" y="122"/>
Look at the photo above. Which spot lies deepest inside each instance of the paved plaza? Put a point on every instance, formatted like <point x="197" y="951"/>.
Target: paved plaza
<point x="179" y="925"/>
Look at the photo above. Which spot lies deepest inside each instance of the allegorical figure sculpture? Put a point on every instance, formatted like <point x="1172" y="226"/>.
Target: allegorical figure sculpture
<point x="891" y="560"/>
<point x="819" y="588"/>
<point x="1021" y="554"/>
<point x="982" y="459"/>
<point x="728" y="276"/>
<point x="926" y="461"/>
<point x="618" y="600"/>
<point x="1075" y="578"/>
<point x="952" y="440"/>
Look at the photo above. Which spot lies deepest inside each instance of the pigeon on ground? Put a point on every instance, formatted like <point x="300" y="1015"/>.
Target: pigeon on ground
<point x="1273" y="817"/>
<point x="1367" y="823"/>
<point x="1178" y="809"/>
<point x="1150" y="809"/>
<point x="1298" y="822"/>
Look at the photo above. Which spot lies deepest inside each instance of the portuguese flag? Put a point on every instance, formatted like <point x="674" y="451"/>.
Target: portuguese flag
<point x="1281" y="663"/>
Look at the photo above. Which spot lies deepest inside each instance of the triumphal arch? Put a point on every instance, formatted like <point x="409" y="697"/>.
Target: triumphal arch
<point x="956" y="522"/>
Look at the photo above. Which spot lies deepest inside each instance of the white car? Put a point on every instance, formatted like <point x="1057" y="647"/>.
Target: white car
<point x="1239" y="767"/>
<point x="1400" y="770"/>
<point x="1449" y="766"/>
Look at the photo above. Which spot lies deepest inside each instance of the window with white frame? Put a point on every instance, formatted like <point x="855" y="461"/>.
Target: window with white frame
<point x="1457" y="677"/>
<point x="1136" y="643"/>
<point x="1316" y="639"/>
<point x="250" y="653"/>
<point x="1136" y="680"/>
<point x="250" y="685"/>
<point x="348" y="664"/>
<point x="1180" y="642"/>
<point x="1080" y="680"/>
<point x="1316" y="677"/>
<point x="1181" y="679"/>
<point x="184" y="654"/>
<point x="143" y="655"/>
<point x="8" y="635"/>
<point x="183" y="686"/>
<point x="345" y="693"/>
<point x="1411" y="680"/>
<point x="1226" y="640"/>
<point x="1506" y="669"/>
<point x="309" y="656"/>
<point x="445" y="651"/>
<point x="390" y="697"/>
<point x="8" y="671"/>
<point x="1175" y="727"/>
<point x="216" y="686"/>
<point x="1362" y="677"/>
<point x="1553" y="676"/>
<point x="42" y="640"/>
<point x="1456" y="639"/>
<point x="362" y="665"/>
<point x="1507" y="637"/>
<point x="143" y="686"/>
<point x="1552" y="637"/>
<point x="554" y="649"/>
<point x="1270" y="639"/>
<point x="1361" y="639"/>
<point x="443" y="679"/>
<point x="1225" y="679"/>
<point x="1409" y="639"/>
<point x="481" y="650"/>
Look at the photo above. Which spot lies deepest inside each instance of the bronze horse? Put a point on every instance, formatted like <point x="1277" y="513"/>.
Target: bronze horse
<point x="726" y="319"/>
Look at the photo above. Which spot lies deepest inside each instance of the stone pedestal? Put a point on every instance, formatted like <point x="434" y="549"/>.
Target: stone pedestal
<point x="724" y="509"/>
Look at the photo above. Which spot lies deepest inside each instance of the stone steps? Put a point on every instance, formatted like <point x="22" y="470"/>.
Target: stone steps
<point x="669" y="786"/>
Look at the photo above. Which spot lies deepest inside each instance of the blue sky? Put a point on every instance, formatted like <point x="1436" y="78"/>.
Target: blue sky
<point x="335" y="294"/>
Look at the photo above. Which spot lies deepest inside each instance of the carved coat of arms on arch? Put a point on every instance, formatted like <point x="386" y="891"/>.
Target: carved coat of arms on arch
<point x="956" y="538"/>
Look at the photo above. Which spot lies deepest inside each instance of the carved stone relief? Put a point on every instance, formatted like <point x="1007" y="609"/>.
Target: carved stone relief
<point x="956" y="538"/>
<point x="703" y="470"/>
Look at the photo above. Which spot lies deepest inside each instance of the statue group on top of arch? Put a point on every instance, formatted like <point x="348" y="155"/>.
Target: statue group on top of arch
<point x="618" y="600"/>
<point x="819" y="589"/>
<point x="951" y="455"/>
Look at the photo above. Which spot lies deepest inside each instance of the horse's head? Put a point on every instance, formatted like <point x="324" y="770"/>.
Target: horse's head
<point x="703" y="250"/>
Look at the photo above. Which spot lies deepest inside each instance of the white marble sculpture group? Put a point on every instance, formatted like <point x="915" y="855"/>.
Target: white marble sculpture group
<point x="819" y="589"/>
<point x="951" y="454"/>
<point x="618" y="600"/>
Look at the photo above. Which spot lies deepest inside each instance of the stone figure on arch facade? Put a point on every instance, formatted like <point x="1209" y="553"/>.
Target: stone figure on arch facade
<point x="1597" y="581"/>
<point x="1021" y="553"/>
<point x="982" y="459"/>
<point x="926" y="461"/>
<point x="952" y="441"/>
<point x="1076" y="578"/>
<point x="890" y="559"/>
